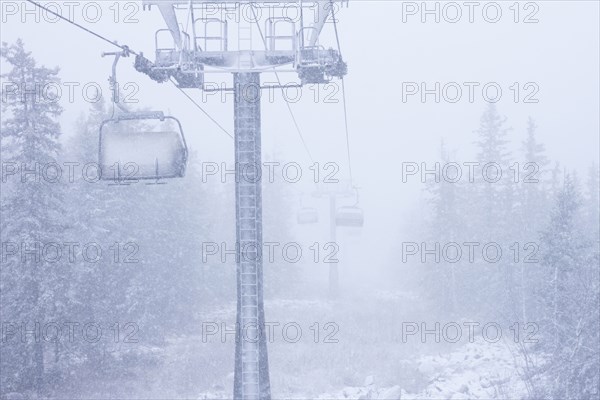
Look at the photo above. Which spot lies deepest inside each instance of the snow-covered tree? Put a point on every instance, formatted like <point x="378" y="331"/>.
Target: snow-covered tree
<point x="533" y="179"/>
<point x="533" y="209"/>
<point x="447" y="202"/>
<point x="592" y="202"/>
<point x="33" y="286"/>
<point x="570" y="299"/>
<point x="492" y="148"/>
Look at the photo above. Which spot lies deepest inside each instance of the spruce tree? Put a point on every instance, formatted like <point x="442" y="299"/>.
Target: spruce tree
<point x="570" y="299"/>
<point x="33" y="286"/>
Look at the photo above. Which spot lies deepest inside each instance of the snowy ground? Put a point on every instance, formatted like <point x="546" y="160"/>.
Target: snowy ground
<point x="367" y="360"/>
<point x="478" y="370"/>
<point x="370" y="362"/>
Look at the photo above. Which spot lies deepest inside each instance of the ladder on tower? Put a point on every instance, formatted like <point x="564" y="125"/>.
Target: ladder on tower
<point x="250" y="232"/>
<point x="245" y="45"/>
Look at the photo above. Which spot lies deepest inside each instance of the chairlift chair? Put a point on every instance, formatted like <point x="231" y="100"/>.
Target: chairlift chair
<point x="349" y="216"/>
<point x="128" y="154"/>
<point x="307" y="215"/>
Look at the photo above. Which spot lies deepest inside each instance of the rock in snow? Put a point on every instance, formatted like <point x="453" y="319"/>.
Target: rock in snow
<point x="393" y="393"/>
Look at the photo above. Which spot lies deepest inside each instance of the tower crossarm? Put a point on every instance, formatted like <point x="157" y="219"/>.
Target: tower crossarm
<point x="167" y="9"/>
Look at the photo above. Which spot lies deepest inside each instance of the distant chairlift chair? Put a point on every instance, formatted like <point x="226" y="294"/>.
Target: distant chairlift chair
<point x="307" y="215"/>
<point x="350" y="216"/>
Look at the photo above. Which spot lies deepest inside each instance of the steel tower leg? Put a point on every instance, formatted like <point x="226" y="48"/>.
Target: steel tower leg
<point x="251" y="376"/>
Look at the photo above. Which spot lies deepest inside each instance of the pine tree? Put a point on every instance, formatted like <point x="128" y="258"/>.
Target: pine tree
<point x="33" y="288"/>
<point x="99" y="292"/>
<point x="570" y="299"/>
<point x="492" y="212"/>
<point x="534" y="203"/>
<point x="492" y="148"/>
<point x="534" y="209"/>
<point x="445" y="225"/>
<point x="592" y="202"/>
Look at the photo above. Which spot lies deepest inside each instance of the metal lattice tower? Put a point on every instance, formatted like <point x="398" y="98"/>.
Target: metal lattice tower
<point x="251" y="362"/>
<point x="198" y="52"/>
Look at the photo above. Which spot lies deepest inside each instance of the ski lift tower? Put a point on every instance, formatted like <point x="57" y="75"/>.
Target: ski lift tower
<point x="199" y="35"/>
<point x="337" y="218"/>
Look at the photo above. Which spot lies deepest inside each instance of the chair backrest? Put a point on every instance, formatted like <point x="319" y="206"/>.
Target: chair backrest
<point x="349" y="217"/>
<point x="307" y="215"/>
<point x="129" y="152"/>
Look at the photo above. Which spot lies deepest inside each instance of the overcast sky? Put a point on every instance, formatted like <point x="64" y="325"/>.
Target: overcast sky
<point x="558" y="54"/>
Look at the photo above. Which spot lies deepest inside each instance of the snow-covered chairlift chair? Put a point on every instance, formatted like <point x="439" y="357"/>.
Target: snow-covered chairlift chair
<point x="128" y="154"/>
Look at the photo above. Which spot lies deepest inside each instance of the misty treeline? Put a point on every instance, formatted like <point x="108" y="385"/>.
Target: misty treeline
<point x="545" y="284"/>
<point x="150" y="277"/>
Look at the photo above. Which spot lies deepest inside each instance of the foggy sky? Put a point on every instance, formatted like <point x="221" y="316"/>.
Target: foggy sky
<point x="559" y="53"/>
